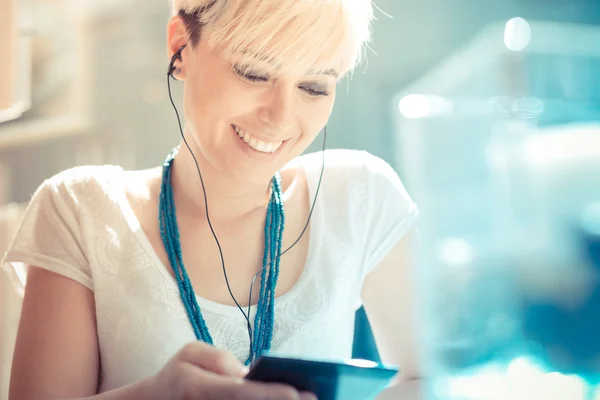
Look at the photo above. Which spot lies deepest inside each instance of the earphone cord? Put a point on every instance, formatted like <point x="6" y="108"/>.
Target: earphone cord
<point x="246" y="315"/>
<point x="299" y="237"/>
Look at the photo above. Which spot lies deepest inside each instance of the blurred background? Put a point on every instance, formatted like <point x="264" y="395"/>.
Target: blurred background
<point x="489" y="111"/>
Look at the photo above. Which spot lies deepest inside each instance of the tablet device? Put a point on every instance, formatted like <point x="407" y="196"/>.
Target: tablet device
<point x="344" y="380"/>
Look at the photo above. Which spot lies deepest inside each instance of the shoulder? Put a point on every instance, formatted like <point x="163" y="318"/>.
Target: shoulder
<point x="339" y="160"/>
<point x="83" y="177"/>
<point x="354" y="168"/>
<point x="78" y="187"/>
<point x="359" y="182"/>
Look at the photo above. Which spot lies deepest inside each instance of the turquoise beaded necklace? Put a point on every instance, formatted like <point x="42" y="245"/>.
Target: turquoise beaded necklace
<point x="260" y="340"/>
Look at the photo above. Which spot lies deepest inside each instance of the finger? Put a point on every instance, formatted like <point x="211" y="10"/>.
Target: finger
<point x="212" y="359"/>
<point x="220" y="387"/>
<point x="307" y="396"/>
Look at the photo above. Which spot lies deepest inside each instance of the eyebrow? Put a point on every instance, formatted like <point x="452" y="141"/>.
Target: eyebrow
<point x="259" y="57"/>
<point x="329" y="72"/>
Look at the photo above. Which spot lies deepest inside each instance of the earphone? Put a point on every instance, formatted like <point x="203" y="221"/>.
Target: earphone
<point x="171" y="70"/>
<point x="176" y="56"/>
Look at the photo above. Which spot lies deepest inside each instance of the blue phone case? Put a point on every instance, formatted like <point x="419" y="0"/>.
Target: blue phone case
<point x="346" y="380"/>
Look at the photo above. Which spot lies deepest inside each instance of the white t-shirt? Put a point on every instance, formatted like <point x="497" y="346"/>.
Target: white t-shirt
<point x="80" y="224"/>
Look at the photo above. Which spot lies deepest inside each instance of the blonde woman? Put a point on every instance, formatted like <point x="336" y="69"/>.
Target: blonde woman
<point x="139" y="282"/>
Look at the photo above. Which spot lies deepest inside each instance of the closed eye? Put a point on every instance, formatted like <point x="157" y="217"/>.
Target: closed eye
<point x="314" y="92"/>
<point x="250" y="75"/>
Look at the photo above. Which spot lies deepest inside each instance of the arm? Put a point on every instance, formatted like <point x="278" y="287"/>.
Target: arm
<point x="56" y="353"/>
<point x="57" y="356"/>
<point x="389" y="300"/>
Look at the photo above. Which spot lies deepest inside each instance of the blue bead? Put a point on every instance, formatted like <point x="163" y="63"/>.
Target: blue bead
<point x="273" y="231"/>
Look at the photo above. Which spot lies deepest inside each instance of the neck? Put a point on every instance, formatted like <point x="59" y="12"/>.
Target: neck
<point x="227" y="199"/>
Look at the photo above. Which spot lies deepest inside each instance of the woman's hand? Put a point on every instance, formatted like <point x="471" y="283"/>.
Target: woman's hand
<point x="202" y="372"/>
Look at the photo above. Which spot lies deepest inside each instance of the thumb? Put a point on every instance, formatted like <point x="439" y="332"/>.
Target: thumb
<point x="214" y="360"/>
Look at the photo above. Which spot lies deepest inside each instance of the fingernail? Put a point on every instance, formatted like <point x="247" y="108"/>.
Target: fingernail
<point x="307" y="396"/>
<point x="243" y="371"/>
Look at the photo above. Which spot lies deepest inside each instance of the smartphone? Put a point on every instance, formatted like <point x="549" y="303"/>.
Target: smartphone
<point x="328" y="380"/>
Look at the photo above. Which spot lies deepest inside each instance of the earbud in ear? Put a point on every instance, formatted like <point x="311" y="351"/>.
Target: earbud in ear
<point x="176" y="56"/>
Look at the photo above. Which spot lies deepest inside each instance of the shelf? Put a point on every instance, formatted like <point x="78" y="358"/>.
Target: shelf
<point x="39" y="129"/>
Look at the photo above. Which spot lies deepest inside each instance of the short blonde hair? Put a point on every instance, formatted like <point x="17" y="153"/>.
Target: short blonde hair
<point x="300" y="35"/>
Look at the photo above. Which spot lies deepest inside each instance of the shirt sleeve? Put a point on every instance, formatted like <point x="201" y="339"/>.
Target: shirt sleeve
<point x="49" y="236"/>
<point x="390" y="212"/>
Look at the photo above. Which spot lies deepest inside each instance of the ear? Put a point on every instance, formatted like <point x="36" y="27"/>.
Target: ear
<point x="177" y="37"/>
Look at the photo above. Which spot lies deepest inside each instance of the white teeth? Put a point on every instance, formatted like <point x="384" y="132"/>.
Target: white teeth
<point x="257" y="144"/>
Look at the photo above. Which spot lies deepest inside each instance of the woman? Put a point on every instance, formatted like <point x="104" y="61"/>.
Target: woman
<point x="126" y="280"/>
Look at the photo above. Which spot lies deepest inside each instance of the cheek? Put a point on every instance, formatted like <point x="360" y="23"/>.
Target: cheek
<point x="214" y="99"/>
<point x="317" y="115"/>
<point x="314" y="117"/>
<point x="204" y="98"/>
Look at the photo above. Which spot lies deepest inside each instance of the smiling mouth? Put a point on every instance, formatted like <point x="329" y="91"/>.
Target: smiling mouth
<point x="257" y="144"/>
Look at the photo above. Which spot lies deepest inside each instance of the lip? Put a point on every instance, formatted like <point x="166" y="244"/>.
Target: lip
<point x="233" y="126"/>
<point x="255" y="153"/>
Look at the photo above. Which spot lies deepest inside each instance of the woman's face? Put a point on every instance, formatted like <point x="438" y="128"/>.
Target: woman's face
<point x="245" y="123"/>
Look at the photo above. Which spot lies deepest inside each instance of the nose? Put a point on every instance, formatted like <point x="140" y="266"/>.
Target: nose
<point x="277" y="109"/>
